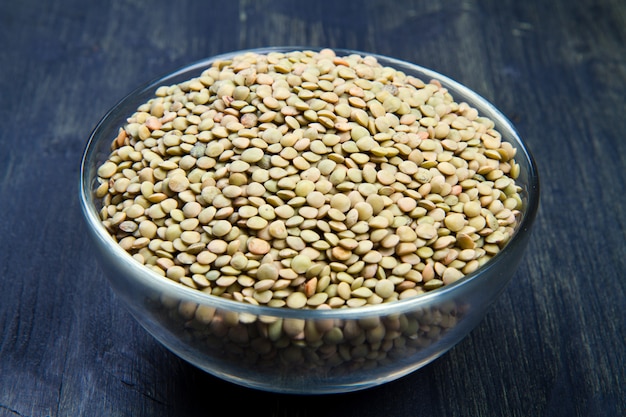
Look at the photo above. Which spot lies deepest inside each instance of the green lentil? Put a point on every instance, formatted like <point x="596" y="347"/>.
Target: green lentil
<point x="317" y="165"/>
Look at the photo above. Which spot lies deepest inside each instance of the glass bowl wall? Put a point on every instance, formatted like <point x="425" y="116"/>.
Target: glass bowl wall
<point x="303" y="351"/>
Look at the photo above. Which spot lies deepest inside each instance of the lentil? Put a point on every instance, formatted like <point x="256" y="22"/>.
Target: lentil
<point x="308" y="180"/>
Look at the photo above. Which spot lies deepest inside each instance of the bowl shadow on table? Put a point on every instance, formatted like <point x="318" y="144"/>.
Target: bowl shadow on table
<point x="176" y="387"/>
<point x="429" y="390"/>
<point x="193" y="386"/>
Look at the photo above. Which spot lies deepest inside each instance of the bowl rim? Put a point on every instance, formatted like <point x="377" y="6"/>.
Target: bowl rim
<point x="156" y="281"/>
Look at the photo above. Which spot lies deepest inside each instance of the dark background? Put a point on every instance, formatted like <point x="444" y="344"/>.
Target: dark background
<point x="553" y="345"/>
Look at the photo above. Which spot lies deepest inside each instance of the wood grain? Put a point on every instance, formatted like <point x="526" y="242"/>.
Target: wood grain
<point x="553" y="345"/>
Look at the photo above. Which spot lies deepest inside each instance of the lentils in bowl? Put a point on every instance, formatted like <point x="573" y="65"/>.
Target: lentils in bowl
<point x="308" y="221"/>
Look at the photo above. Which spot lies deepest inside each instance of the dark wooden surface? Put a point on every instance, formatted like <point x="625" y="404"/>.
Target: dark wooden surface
<point x="553" y="345"/>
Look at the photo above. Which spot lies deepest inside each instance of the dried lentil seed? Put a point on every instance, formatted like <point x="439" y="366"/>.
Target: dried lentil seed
<point x="397" y="193"/>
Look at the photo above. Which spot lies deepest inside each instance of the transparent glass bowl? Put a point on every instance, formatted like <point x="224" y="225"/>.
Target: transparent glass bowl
<point x="343" y="350"/>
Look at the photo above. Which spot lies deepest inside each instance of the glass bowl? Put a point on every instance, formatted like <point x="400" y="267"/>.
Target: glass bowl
<point x="304" y="351"/>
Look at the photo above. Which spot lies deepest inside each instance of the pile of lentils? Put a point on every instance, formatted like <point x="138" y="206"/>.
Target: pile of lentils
<point x="309" y="180"/>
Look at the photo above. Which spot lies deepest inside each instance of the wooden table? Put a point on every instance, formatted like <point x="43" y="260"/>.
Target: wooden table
<point x="553" y="345"/>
